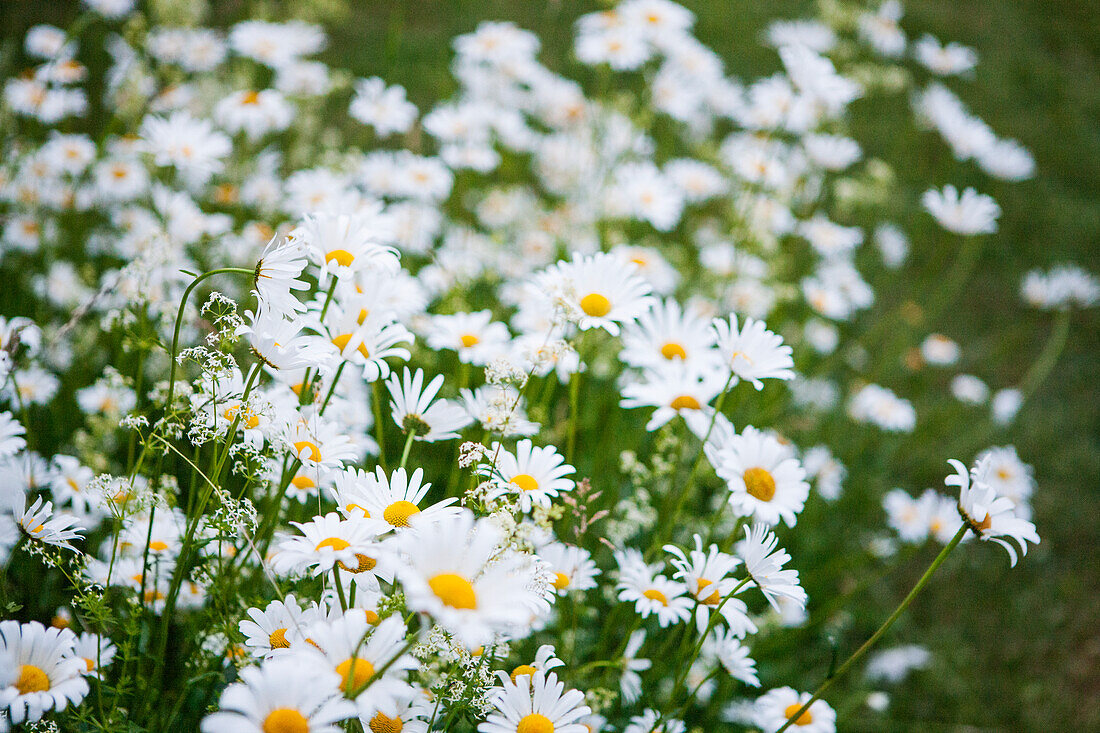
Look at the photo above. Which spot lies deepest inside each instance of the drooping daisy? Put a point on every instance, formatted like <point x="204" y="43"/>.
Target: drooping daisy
<point x="277" y="274"/>
<point x="415" y="409"/>
<point x="286" y="695"/>
<point x="535" y="703"/>
<point x="39" y="523"/>
<point x="753" y="352"/>
<point x="765" y="479"/>
<point x="764" y="563"/>
<point x="991" y="517"/>
<point x="1003" y="470"/>
<point x="538" y="473"/>
<point x="734" y="657"/>
<point x="280" y="343"/>
<point x="48" y="672"/>
<point x="598" y="290"/>
<point x="778" y="706"/>
<point x="453" y="570"/>
<point x="651" y="593"/>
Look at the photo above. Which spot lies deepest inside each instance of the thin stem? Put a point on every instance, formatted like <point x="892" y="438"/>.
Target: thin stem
<point x="379" y="434"/>
<point x="1040" y="370"/>
<point x="881" y="630"/>
<point x="408" y="446"/>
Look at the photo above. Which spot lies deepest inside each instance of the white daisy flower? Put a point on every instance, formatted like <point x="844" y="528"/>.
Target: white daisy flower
<point x="95" y="651"/>
<point x="753" y="352"/>
<point x="763" y="563"/>
<point x="651" y="721"/>
<point x="342" y="244"/>
<point x="49" y="674"/>
<point x="289" y="695"/>
<point x="734" y="657"/>
<point x="991" y="517"/>
<point x="765" y="479"/>
<point x="545" y="660"/>
<point x="651" y="593"/>
<point x="39" y="523"/>
<point x="394" y="499"/>
<point x="598" y="290"/>
<point x="476" y="337"/>
<point x="277" y="275"/>
<point x="539" y="473"/>
<point x="709" y="580"/>
<point x="415" y="409"/>
<point x="630" y="684"/>
<point x="535" y="703"/>
<point x="777" y="706"/>
<point x="573" y="567"/>
<point x="667" y="333"/>
<point x="675" y="389"/>
<point x="331" y="540"/>
<point x="967" y="213"/>
<point x="266" y="632"/>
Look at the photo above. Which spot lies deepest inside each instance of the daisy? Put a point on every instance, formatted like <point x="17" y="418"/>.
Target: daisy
<point x="475" y="336"/>
<point x="319" y="443"/>
<point x="734" y="657"/>
<point x="572" y="566"/>
<point x="651" y="721"/>
<point x="945" y="60"/>
<point x="598" y="290"/>
<point x="39" y="523"/>
<point x="766" y="481"/>
<point x="708" y="578"/>
<point x="893" y="665"/>
<point x="544" y="662"/>
<point x="95" y="651"/>
<point x="535" y="703"/>
<point x="1006" y="474"/>
<point x="346" y="243"/>
<point x="278" y="272"/>
<point x="667" y="333"/>
<point x="383" y="107"/>
<point x="753" y="352"/>
<point x="454" y="571"/>
<point x="763" y="563"/>
<point x="968" y="213"/>
<point x="998" y="521"/>
<point x="190" y="144"/>
<point x="11" y="436"/>
<point x="650" y="592"/>
<point x="630" y="684"/>
<point x="367" y="342"/>
<point x="777" y="706"/>
<point x="539" y="473"/>
<point x="279" y="342"/>
<point x="499" y="409"/>
<point x="395" y="498"/>
<point x="266" y="632"/>
<point x="358" y="652"/>
<point x="286" y="695"/>
<point x="675" y="389"/>
<point x="414" y="411"/>
<point x="329" y="541"/>
<point x="49" y="674"/>
<point x="406" y="712"/>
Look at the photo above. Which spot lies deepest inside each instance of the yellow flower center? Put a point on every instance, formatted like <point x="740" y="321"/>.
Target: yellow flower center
<point x="158" y="546"/>
<point x="525" y="481"/>
<point x="341" y="343"/>
<point x="381" y="724"/>
<point x="523" y="669"/>
<point x="454" y="590"/>
<point x="89" y="663"/>
<point x="673" y="350"/>
<point x="342" y="257"/>
<point x="314" y="451"/>
<point x="804" y="719"/>
<point x="759" y="483"/>
<point x="285" y="720"/>
<point x="985" y="523"/>
<point x="356" y="672"/>
<point x="365" y="564"/>
<point x="336" y="543"/>
<point x="655" y="595"/>
<point x="353" y="507"/>
<point x="372" y="616"/>
<point x="398" y="513"/>
<point x="561" y="581"/>
<point x="250" y="97"/>
<point x="535" y="723"/>
<point x="595" y="305"/>
<point x="303" y="482"/>
<point x="713" y="598"/>
<point x="277" y="639"/>
<point x="685" y="402"/>
<point x="468" y="340"/>
<point x="31" y="679"/>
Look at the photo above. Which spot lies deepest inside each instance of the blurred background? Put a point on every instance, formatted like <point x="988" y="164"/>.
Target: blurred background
<point x="1014" y="649"/>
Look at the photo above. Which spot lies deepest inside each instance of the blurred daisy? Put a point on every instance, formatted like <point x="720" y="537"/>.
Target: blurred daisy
<point x="599" y="290"/>
<point x="753" y="352"/>
<point x="734" y="657"/>
<point x="777" y="706"/>
<point x="968" y="213"/>
<point x="630" y="684"/>
<point x="95" y="651"/>
<point x="475" y="336"/>
<point x="572" y="566"/>
<point x="667" y="333"/>
<point x="651" y="721"/>
<point x="650" y="592"/>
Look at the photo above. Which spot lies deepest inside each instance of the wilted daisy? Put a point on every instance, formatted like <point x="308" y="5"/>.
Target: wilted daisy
<point x="753" y="352"/>
<point x="766" y="481"/>
<point x="287" y="695"/>
<point x="536" y="703"/>
<point x="778" y="706"/>
<point x="49" y="674"/>
<point x="764" y="563"/>
<point x="990" y="516"/>
<point x="966" y="213"/>
<point x="538" y="472"/>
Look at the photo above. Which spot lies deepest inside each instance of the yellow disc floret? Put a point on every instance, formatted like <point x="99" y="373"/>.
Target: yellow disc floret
<point x="535" y="723"/>
<point x="759" y="483"/>
<point x="398" y="513"/>
<point x="32" y="679"/>
<point x="285" y="720"/>
<point x="454" y="590"/>
<point x="595" y="305"/>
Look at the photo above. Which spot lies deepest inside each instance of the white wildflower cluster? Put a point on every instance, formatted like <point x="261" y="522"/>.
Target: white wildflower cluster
<point x="487" y="417"/>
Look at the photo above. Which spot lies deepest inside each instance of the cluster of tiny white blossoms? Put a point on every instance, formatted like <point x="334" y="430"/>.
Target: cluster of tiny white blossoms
<point x="470" y="444"/>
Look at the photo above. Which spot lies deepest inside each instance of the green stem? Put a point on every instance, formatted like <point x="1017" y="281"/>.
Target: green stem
<point x="379" y="433"/>
<point x="882" y="629"/>
<point x="408" y="446"/>
<point x="1040" y="370"/>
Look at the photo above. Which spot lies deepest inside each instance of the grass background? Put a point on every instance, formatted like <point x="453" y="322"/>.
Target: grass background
<point x="1014" y="649"/>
